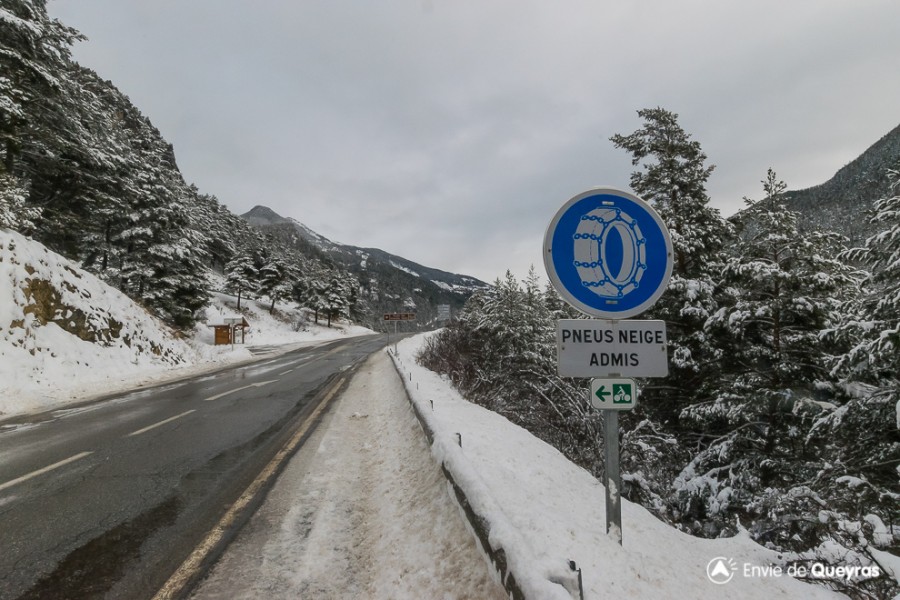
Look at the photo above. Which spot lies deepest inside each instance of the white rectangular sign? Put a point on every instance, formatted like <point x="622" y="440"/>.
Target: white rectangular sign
<point x="597" y="348"/>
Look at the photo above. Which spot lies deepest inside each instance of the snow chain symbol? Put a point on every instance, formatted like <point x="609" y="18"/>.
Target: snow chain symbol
<point x="610" y="252"/>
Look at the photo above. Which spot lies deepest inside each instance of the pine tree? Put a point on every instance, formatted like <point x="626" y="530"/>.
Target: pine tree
<point x="241" y="276"/>
<point x="673" y="180"/>
<point x="311" y="289"/>
<point x="337" y="296"/>
<point x="674" y="183"/>
<point x="221" y="228"/>
<point x="160" y="260"/>
<point x="875" y="329"/>
<point x="861" y="438"/>
<point x="34" y="51"/>
<point x="778" y="293"/>
<point x="274" y="282"/>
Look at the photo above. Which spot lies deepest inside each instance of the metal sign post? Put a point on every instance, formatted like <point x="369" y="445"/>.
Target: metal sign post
<point x="396" y="318"/>
<point x="609" y="254"/>
<point x="613" y="480"/>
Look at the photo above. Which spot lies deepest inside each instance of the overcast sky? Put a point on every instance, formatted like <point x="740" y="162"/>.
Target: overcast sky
<point x="450" y="132"/>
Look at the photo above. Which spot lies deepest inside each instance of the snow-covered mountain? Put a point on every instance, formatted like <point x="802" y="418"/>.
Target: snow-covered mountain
<point x="390" y="282"/>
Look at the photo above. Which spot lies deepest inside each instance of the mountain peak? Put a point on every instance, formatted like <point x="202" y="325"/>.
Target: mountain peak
<point x="263" y="215"/>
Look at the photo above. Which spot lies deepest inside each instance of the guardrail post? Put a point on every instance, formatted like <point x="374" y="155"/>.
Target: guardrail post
<point x="574" y="567"/>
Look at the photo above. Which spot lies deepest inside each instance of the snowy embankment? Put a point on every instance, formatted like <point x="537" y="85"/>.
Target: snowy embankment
<point x="66" y="336"/>
<point x="543" y="511"/>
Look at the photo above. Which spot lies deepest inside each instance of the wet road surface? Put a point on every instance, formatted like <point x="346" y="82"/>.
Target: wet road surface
<point x="107" y="499"/>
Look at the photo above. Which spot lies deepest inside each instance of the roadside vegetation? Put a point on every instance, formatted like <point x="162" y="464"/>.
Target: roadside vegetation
<point x="781" y="412"/>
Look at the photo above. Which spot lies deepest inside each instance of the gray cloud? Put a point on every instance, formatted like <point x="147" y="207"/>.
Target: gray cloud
<point x="450" y="133"/>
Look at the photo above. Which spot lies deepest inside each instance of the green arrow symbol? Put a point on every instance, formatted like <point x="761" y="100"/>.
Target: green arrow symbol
<point x="602" y="393"/>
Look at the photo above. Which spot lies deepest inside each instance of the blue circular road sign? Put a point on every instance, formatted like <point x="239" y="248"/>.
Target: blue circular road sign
<point x="608" y="253"/>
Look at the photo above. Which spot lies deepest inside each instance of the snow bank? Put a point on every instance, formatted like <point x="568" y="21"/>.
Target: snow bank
<point x="543" y="511"/>
<point x="59" y="324"/>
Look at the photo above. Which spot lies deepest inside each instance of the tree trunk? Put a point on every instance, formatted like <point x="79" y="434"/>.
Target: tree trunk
<point x="9" y="161"/>
<point x="106" y="239"/>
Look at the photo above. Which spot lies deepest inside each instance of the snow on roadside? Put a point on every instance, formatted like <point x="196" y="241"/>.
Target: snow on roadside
<point x="67" y="337"/>
<point x="543" y="511"/>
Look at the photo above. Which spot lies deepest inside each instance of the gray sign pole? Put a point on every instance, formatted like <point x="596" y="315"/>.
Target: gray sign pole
<point x="613" y="481"/>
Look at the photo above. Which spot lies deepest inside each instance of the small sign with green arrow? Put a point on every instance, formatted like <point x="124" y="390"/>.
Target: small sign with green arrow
<point x="613" y="394"/>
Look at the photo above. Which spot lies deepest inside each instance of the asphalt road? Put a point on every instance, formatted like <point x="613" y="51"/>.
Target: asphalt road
<point x="107" y="499"/>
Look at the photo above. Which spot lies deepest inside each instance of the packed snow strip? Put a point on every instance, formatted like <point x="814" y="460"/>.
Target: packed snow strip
<point x="66" y="336"/>
<point x="543" y="511"/>
<point x="359" y="512"/>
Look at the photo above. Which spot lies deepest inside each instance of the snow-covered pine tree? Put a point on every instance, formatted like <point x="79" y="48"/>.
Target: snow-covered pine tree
<point x="874" y="327"/>
<point x="219" y="226"/>
<point x="311" y="289"/>
<point x="337" y="297"/>
<point x="673" y="180"/>
<point x="358" y="309"/>
<point x="241" y="276"/>
<point x="274" y="282"/>
<point x="557" y="307"/>
<point x="861" y="438"/>
<point x="778" y="293"/>
<point x="34" y="51"/>
<point x="521" y="341"/>
<point x="161" y="264"/>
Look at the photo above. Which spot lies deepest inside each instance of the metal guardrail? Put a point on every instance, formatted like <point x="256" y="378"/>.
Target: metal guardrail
<point x="479" y="525"/>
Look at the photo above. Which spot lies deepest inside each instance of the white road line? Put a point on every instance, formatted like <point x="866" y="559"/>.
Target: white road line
<point x="223" y="394"/>
<point x="155" y="425"/>
<point x="46" y="469"/>
<point x="285" y="373"/>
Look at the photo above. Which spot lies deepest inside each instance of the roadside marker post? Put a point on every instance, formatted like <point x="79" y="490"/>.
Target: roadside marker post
<point x="609" y="255"/>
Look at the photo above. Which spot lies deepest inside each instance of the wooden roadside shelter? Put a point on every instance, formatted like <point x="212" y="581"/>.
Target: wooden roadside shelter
<point x="232" y="329"/>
